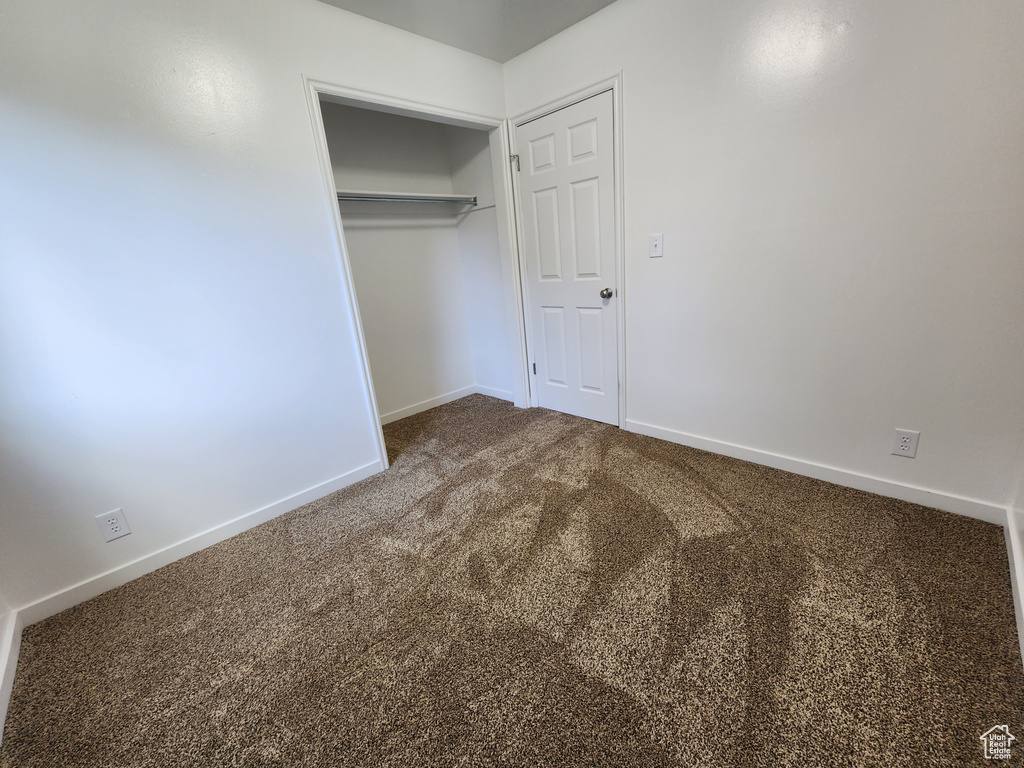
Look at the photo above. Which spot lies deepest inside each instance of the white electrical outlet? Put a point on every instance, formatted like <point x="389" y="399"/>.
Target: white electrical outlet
<point x="113" y="525"/>
<point x="905" y="443"/>
<point x="655" y="246"/>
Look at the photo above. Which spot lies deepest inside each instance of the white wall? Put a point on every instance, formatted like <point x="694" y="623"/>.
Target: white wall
<point x="469" y="154"/>
<point x="1015" y="513"/>
<point x="173" y="327"/>
<point x="482" y="279"/>
<point x="375" y="151"/>
<point x="5" y="611"/>
<point x="6" y="617"/>
<point x="1017" y="497"/>
<point x="411" y="301"/>
<point x="841" y="192"/>
<point x="1015" y="543"/>
<point x="405" y="258"/>
<point x="9" y="642"/>
<point x="429" y="283"/>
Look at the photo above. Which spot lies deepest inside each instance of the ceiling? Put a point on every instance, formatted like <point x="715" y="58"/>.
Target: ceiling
<point x="495" y="29"/>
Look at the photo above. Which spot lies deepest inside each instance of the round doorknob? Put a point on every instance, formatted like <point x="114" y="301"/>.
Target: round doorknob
<point x="606" y="293"/>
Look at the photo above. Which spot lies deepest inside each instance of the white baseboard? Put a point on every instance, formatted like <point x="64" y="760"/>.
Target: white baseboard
<point x="980" y="510"/>
<point x="1015" y="548"/>
<point x="10" y="644"/>
<point x="500" y="394"/>
<point x="10" y="632"/>
<point x="426" y="405"/>
<point x="90" y="588"/>
<point x="458" y="394"/>
<point x="1011" y="522"/>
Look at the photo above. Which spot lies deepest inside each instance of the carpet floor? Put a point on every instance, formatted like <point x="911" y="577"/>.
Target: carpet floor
<point x="527" y="588"/>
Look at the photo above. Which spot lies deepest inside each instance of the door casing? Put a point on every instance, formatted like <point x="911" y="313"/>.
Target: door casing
<point x="613" y="84"/>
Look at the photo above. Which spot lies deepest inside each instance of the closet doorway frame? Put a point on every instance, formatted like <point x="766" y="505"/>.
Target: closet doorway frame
<point x="504" y="195"/>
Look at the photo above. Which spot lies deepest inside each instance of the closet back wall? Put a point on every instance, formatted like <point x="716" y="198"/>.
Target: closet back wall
<point x="489" y="325"/>
<point x="422" y="335"/>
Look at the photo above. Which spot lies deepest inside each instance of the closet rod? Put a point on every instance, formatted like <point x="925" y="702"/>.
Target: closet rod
<point x="380" y="197"/>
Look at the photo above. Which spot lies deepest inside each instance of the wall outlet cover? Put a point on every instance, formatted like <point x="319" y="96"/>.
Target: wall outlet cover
<point x="113" y="525"/>
<point x="905" y="443"/>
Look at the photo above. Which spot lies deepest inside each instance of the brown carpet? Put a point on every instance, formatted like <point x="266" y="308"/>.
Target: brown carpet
<point x="532" y="589"/>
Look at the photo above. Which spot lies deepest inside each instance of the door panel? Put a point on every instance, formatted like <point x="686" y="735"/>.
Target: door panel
<point x="542" y="153"/>
<point x="554" y="345"/>
<point x="583" y="140"/>
<point x="566" y="186"/>
<point x="586" y="230"/>
<point x="545" y="207"/>
<point x="591" y="349"/>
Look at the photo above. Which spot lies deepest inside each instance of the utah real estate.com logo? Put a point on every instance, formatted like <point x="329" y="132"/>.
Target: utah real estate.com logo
<point x="997" y="742"/>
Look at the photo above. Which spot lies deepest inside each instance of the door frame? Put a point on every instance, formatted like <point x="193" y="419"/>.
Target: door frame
<point x="497" y="130"/>
<point x="613" y="84"/>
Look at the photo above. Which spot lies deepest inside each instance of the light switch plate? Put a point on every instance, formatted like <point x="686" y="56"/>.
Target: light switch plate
<point x="656" y="246"/>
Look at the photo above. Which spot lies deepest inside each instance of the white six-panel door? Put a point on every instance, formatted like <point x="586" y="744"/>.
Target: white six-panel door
<point x="566" y="186"/>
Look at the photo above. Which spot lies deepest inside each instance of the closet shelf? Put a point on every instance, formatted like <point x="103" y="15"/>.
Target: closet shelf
<point x="412" y="197"/>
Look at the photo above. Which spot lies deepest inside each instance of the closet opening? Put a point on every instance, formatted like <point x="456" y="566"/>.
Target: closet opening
<point x="424" y="223"/>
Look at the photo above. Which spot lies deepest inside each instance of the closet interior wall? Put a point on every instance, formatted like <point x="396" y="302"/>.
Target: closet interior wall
<point x="428" y="278"/>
